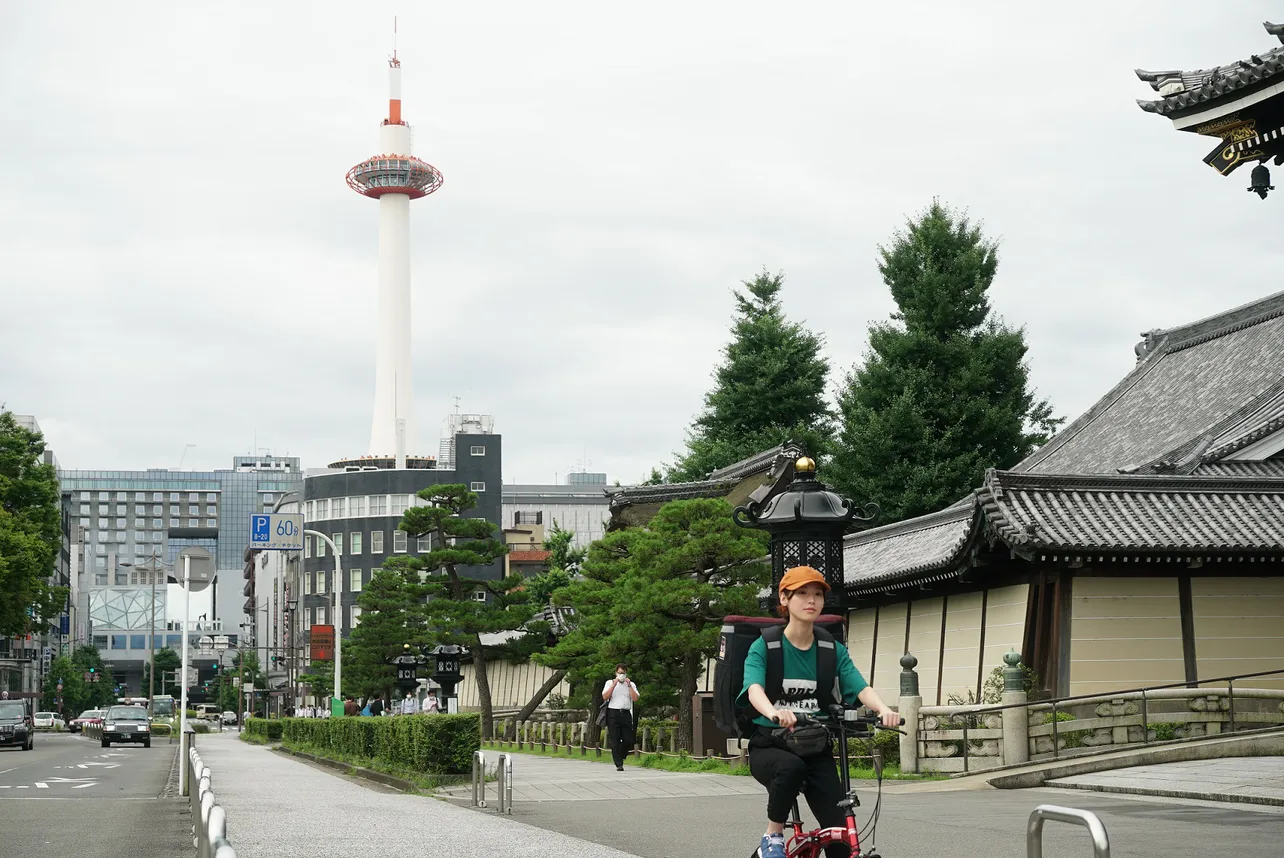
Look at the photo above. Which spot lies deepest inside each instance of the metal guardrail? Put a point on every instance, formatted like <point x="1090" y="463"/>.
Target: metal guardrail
<point x="504" y="781"/>
<point x="1089" y="820"/>
<point x="209" y="820"/>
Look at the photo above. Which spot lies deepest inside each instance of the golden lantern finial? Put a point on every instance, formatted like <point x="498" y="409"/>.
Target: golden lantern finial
<point x="805" y="464"/>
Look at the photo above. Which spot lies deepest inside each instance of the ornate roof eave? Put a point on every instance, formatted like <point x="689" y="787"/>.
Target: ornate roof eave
<point x="954" y="563"/>
<point x="1190" y="92"/>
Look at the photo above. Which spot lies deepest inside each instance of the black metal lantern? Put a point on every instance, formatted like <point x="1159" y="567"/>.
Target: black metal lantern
<point x="447" y="673"/>
<point x="407" y="668"/>
<point x="806" y="522"/>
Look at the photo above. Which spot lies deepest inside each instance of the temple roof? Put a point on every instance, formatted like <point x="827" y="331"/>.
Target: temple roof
<point x="1067" y="515"/>
<point x="1181" y="90"/>
<point x="1186" y="382"/>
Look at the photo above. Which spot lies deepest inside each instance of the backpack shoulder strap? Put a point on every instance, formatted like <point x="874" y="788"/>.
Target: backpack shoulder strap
<point x="827" y="691"/>
<point x="771" y="636"/>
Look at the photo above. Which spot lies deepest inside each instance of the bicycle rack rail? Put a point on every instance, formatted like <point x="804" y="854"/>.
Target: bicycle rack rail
<point x="504" y="784"/>
<point x="1089" y="820"/>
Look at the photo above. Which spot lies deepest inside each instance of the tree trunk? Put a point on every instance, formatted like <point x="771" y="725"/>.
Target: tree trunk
<point x="483" y="689"/>
<point x="686" y="698"/>
<point x="543" y="691"/>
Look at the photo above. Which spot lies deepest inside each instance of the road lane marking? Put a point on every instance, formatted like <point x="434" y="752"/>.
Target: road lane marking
<point x="40" y="785"/>
<point x="81" y="786"/>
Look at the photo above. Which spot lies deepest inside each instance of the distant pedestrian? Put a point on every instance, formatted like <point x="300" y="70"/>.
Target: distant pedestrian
<point x="431" y="706"/>
<point x="409" y="706"/>
<point x="619" y="694"/>
<point x="350" y="707"/>
<point x="376" y="707"/>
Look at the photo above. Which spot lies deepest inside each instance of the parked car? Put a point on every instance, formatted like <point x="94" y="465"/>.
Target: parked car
<point x="17" y="727"/>
<point x="45" y="720"/>
<point x="229" y="717"/>
<point x="126" y="724"/>
<point x="77" y="724"/>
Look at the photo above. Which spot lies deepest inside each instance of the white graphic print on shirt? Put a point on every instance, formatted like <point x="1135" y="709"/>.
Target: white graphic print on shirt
<point x="799" y="695"/>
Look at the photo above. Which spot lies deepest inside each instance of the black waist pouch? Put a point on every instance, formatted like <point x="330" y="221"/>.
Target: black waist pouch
<point x="807" y="740"/>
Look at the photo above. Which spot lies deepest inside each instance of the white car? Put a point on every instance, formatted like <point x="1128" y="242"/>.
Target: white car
<point x="45" y="720"/>
<point x="229" y="717"/>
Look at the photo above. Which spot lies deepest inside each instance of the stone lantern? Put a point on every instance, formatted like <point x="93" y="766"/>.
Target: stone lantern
<point x="806" y="522"/>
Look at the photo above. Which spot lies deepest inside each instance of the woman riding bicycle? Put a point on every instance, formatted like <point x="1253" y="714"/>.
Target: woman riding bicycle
<point x="783" y="773"/>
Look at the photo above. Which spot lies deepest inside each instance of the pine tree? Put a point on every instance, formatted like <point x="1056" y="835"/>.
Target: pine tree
<point x="392" y="614"/>
<point x="770" y="387"/>
<point x="943" y="393"/>
<point x="453" y="613"/>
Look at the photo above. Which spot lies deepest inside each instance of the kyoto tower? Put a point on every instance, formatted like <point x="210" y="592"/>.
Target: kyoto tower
<point x="394" y="178"/>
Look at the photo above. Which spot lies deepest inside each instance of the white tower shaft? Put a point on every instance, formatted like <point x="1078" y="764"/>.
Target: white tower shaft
<point x="392" y="428"/>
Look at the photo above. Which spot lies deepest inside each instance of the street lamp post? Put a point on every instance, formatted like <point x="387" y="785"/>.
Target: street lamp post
<point x="338" y="620"/>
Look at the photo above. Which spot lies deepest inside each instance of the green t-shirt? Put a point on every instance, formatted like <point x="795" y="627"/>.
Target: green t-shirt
<point x="799" y="685"/>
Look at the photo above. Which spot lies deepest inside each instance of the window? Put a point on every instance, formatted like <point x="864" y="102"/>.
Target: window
<point x="307" y="583"/>
<point x="122" y="509"/>
<point x="120" y="495"/>
<point x="140" y="523"/>
<point x="174" y="642"/>
<point x="354" y="542"/>
<point x="323" y="509"/>
<point x="398" y="542"/>
<point x="477" y="486"/>
<point x="173" y="496"/>
<point x="376" y="542"/>
<point x="309" y="510"/>
<point x="520" y="518"/>
<point x="423" y="544"/>
<point x="120" y="524"/>
<point x="338" y="543"/>
<point x="140" y="509"/>
<point x="193" y="522"/>
<point x="157" y="523"/>
<point x="321" y="615"/>
<point x="354" y="614"/>
<point x="101" y="563"/>
<point x="100" y="550"/>
<point x="100" y="641"/>
<point x="378" y="504"/>
<point x="138" y="641"/>
<point x="102" y="509"/>
<point x="354" y="580"/>
<point x="173" y="522"/>
<point x="84" y="509"/>
<point x="337" y="507"/>
<point x="307" y="545"/>
<point x="211" y="522"/>
<point x="211" y="497"/>
<point x="320" y="583"/>
<point x="157" y="509"/>
<point x="400" y="503"/>
<point x="479" y="595"/>
<point x="357" y="507"/>
<point x="477" y="451"/>
<point x="193" y="509"/>
<point x="118" y="641"/>
<point x="320" y="547"/>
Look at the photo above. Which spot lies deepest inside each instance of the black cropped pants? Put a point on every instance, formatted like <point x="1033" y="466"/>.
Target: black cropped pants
<point x="785" y="775"/>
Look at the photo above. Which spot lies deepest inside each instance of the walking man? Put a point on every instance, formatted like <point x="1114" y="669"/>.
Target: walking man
<point x="619" y="694"/>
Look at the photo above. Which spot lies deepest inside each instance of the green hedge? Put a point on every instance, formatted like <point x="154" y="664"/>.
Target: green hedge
<point x="160" y="729"/>
<point x="434" y="744"/>
<point x="884" y="740"/>
<point x="264" y="728"/>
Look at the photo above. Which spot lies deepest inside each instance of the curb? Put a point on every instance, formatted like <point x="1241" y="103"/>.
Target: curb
<point x="357" y="771"/>
<point x="1174" y="793"/>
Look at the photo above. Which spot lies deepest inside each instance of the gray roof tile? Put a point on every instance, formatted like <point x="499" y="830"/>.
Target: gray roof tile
<point x="921" y="548"/>
<point x="1185" y="89"/>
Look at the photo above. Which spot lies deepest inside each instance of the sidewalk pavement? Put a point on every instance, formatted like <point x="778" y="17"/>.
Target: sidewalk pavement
<point x="1253" y="780"/>
<point x="537" y="778"/>
<point x="278" y="806"/>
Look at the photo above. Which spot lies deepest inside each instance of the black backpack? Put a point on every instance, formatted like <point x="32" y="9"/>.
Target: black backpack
<point x="738" y="634"/>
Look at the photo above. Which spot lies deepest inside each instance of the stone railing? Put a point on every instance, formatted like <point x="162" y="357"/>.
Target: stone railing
<point x="582" y="735"/>
<point x="978" y="737"/>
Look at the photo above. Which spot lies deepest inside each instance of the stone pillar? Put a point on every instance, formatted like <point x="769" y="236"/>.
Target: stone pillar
<point x="1016" y="721"/>
<point x="908" y="708"/>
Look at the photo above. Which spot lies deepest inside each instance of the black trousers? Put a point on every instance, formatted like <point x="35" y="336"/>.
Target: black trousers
<point x="786" y="774"/>
<point x="619" y="733"/>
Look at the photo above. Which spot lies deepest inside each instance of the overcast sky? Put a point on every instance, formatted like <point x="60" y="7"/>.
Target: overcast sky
<point x="181" y="261"/>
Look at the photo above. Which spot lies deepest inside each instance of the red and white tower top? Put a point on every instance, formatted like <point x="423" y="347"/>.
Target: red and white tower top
<point x="396" y="172"/>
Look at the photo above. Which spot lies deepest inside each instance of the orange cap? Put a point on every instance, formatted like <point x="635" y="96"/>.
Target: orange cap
<point x="800" y="575"/>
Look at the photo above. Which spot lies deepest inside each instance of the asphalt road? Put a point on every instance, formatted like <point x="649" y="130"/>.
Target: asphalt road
<point x="70" y="796"/>
<point x="973" y="824"/>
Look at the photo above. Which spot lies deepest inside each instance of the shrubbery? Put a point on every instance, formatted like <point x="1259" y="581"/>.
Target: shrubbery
<point x="433" y="744"/>
<point x="264" y="728"/>
<point x="159" y="729"/>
